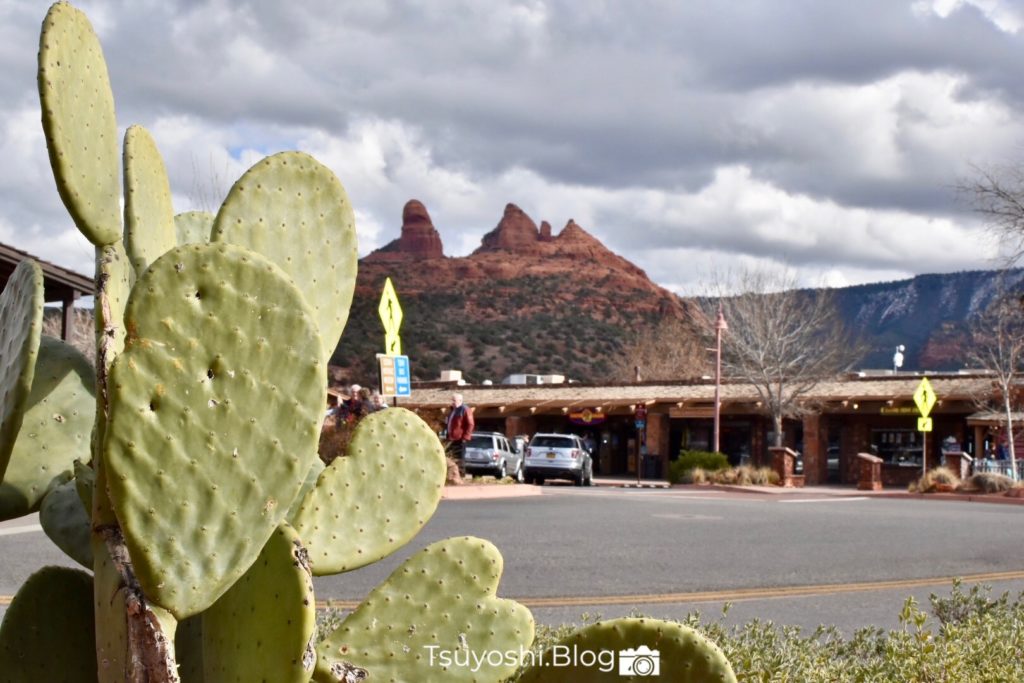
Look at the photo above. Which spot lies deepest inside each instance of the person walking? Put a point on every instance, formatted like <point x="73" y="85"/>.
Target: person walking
<point x="459" y="430"/>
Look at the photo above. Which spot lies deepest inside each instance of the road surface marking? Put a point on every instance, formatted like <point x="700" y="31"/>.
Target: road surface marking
<point x="26" y="529"/>
<point x="825" y="500"/>
<point x="734" y="594"/>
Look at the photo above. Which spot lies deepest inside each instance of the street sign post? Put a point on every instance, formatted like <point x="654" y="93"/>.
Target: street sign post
<point x="390" y="312"/>
<point x="924" y="399"/>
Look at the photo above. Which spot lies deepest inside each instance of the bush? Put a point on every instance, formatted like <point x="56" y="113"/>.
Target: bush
<point x="935" y="479"/>
<point x="969" y="638"/>
<point x="988" y="482"/>
<point x="688" y="460"/>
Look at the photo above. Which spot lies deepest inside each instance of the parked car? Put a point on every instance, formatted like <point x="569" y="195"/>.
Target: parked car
<point x="491" y="453"/>
<point x="558" y="456"/>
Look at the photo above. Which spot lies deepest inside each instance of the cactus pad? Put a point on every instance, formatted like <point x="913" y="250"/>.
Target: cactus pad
<point x="311" y="478"/>
<point x="370" y="503"/>
<point x="193" y="227"/>
<point x="55" y="431"/>
<point x="47" y="633"/>
<point x="65" y="519"/>
<point x="215" y="412"/>
<point x="79" y="123"/>
<point x="21" y="324"/>
<point x="441" y="599"/>
<point x="271" y="604"/>
<point x="116" y="276"/>
<point x="293" y="210"/>
<point x="111" y="616"/>
<point x="148" y="214"/>
<point x="683" y="655"/>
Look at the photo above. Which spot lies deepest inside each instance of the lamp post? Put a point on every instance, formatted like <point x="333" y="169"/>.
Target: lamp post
<point x="720" y="327"/>
<point x="897" y="359"/>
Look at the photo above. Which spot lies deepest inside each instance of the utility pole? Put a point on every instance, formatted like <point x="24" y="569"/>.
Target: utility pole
<point x="720" y="327"/>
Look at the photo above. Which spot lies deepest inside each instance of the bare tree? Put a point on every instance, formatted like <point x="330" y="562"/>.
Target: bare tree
<point x="673" y="348"/>
<point x="997" y="194"/>
<point x="83" y="335"/>
<point x="782" y="340"/>
<point x="997" y="345"/>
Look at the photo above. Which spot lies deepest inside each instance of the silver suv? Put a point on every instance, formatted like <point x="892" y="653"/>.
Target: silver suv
<point x="490" y="453"/>
<point x="558" y="456"/>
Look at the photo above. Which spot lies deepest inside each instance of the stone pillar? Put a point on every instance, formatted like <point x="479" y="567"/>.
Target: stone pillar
<point x="658" y="438"/>
<point x="815" y="446"/>
<point x="783" y="460"/>
<point x="959" y="463"/>
<point x="870" y="472"/>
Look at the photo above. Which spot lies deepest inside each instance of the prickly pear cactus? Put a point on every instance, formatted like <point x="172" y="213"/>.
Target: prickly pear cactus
<point x="55" y="431"/>
<point x="21" y="324"/>
<point x="47" y="632"/>
<point x="79" y="122"/>
<point x="673" y="652"/>
<point x="210" y="392"/>
<point x="343" y="522"/>
<point x="193" y="227"/>
<point x="440" y="601"/>
<point x="271" y="604"/>
<point x="293" y="210"/>
<point x="210" y="436"/>
<point x="148" y="215"/>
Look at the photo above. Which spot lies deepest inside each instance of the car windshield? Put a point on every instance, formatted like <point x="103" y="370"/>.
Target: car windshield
<point x="480" y="442"/>
<point x="552" y="442"/>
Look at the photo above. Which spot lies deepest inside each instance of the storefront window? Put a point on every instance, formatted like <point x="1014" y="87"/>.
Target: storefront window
<point x="897" y="446"/>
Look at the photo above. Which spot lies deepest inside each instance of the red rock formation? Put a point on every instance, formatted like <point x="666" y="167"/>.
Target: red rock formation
<point x="419" y="239"/>
<point x="515" y="232"/>
<point x="545" y="231"/>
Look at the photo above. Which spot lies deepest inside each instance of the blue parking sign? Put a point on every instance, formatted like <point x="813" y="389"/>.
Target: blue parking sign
<point x="403" y="379"/>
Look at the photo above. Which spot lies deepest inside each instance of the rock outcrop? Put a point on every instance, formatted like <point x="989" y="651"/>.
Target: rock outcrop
<point x="419" y="239"/>
<point x="515" y="232"/>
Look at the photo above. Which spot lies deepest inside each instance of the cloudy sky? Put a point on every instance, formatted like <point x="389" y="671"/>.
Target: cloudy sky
<point x="688" y="135"/>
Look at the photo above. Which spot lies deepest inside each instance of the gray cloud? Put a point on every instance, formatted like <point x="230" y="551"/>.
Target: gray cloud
<point x="824" y="133"/>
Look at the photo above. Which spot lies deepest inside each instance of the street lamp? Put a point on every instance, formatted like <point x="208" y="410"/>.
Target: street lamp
<point x="720" y="327"/>
<point x="897" y="359"/>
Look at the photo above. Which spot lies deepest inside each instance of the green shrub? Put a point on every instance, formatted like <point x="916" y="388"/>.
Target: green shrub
<point x="688" y="460"/>
<point x="969" y="638"/>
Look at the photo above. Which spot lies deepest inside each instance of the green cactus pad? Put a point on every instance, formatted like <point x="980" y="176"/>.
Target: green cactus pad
<point x="47" y="632"/>
<point x="79" y="123"/>
<point x="193" y="227"/>
<point x="311" y="478"/>
<point x="21" y="325"/>
<point x="148" y="214"/>
<point x="65" y="520"/>
<point x="293" y="210"/>
<point x="272" y="604"/>
<point x="56" y="429"/>
<point x="188" y="649"/>
<point x="441" y="599"/>
<point x="215" y="412"/>
<point x="114" y="271"/>
<point x="370" y="503"/>
<point x="683" y="655"/>
<point x="111" y="616"/>
<point x="85" y="480"/>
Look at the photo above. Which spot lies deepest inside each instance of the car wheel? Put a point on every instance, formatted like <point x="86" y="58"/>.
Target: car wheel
<point x="502" y="471"/>
<point x="589" y="481"/>
<point x="578" y="481"/>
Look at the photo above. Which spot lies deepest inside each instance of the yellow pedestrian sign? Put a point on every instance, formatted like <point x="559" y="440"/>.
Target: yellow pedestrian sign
<point x="389" y="309"/>
<point x="392" y="344"/>
<point x="924" y="397"/>
<point x="924" y="424"/>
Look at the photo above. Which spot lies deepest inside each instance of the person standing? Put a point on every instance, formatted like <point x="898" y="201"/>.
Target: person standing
<point x="459" y="430"/>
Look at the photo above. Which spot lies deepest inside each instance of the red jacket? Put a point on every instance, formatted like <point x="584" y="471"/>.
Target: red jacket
<point x="460" y="424"/>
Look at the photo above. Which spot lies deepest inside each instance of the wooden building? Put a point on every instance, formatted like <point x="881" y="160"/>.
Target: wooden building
<point x="60" y="285"/>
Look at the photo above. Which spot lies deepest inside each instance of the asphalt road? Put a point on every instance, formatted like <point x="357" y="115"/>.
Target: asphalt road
<point x="794" y="560"/>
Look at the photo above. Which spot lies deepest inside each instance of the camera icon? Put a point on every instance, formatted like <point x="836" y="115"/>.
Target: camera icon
<point x="642" y="661"/>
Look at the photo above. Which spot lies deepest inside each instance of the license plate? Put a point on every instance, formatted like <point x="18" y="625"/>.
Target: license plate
<point x="552" y="456"/>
